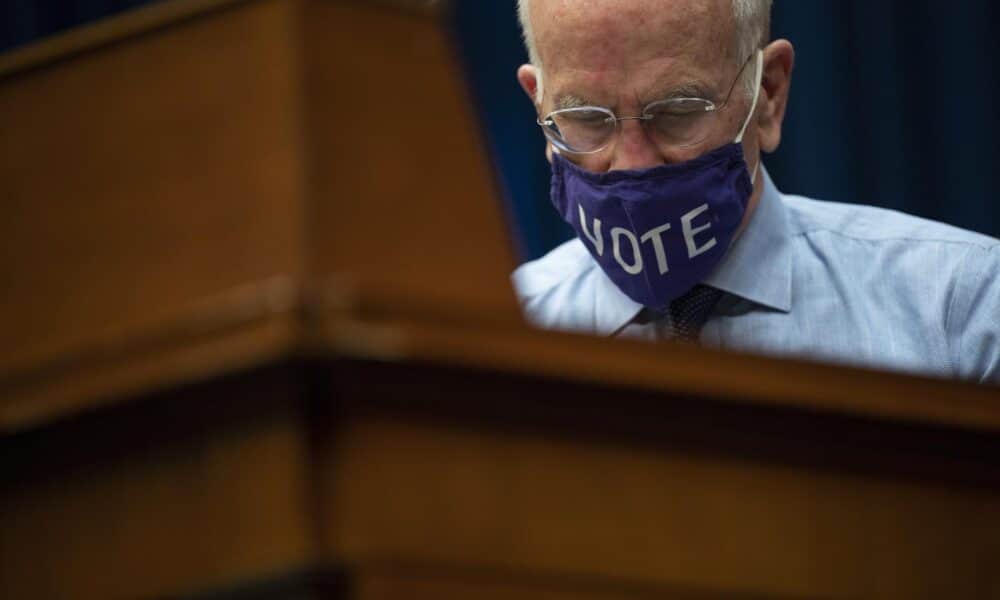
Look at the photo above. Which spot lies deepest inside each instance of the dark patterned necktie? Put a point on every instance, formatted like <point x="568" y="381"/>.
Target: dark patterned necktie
<point x="689" y="312"/>
<point x="686" y="314"/>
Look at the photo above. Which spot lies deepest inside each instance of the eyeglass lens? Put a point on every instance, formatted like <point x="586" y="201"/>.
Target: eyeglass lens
<point x="675" y="123"/>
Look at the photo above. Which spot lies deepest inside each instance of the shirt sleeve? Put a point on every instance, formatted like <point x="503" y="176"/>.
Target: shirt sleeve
<point x="974" y="319"/>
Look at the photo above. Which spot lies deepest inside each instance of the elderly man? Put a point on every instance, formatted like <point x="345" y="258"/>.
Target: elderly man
<point x="656" y="113"/>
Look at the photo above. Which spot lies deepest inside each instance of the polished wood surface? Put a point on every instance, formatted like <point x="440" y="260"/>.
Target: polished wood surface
<point x="140" y="180"/>
<point x="595" y="516"/>
<point x="177" y="495"/>
<point x="210" y="171"/>
<point x="259" y="342"/>
<point x="404" y="208"/>
<point x="390" y="473"/>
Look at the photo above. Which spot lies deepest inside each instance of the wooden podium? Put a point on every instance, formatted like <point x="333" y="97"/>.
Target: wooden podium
<point x="258" y="341"/>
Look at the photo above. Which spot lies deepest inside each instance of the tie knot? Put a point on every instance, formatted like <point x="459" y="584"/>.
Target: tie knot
<point x="685" y="316"/>
<point x="689" y="312"/>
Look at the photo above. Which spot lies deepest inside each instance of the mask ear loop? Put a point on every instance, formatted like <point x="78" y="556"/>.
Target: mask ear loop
<point x="753" y="108"/>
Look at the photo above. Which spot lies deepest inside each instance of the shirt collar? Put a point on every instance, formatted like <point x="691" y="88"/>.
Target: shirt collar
<point x="613" y="310"/>
<point x="758" y="267"/>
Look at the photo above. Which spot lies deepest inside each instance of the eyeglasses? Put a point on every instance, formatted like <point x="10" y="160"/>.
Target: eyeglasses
<point x="673" y="123"/>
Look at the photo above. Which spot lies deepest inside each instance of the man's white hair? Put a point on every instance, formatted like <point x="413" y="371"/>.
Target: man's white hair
<point x="753" y="28"/>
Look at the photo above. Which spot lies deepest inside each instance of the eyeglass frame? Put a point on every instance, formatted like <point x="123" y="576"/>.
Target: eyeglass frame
<point x="710" y="107"/>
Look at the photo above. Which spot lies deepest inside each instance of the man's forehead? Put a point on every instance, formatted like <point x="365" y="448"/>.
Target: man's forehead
<point x="613" y="29"/>
<point x="596" y="49"/>
<point x="568" y="9"/>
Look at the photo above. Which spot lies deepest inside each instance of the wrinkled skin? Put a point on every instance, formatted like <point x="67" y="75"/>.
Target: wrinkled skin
<point x="624" y="54"/>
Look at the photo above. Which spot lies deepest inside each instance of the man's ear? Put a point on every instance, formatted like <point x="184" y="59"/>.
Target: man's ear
<point x="779" y="60"/>
<point x="527" y="76"/>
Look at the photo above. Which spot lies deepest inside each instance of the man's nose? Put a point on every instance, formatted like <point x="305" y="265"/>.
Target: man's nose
<point x="634" y="149"/>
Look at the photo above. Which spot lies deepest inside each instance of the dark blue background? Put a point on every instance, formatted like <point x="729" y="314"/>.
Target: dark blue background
<point x="894" y="103"/>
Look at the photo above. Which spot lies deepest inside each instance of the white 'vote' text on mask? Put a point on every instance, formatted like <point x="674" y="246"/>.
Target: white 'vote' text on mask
<point x="653" y="236"/>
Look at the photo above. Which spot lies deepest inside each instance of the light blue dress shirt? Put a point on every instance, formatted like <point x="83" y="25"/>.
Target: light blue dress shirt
<point x="820" y="280"/>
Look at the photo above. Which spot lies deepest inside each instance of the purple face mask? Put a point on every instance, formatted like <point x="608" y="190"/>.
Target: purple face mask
<point x="658" y="232"/>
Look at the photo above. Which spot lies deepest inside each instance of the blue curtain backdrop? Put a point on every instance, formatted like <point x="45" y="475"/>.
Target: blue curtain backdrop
<point x="894" y="103"/>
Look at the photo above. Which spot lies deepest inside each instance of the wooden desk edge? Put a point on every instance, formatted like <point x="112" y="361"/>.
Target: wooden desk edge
<point x="277" y="320"/>
<point x="106" y="31"/>
<point x="138" y="21"/>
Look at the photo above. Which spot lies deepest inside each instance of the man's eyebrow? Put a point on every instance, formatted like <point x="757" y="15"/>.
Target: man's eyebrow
<point x="570" y="101"/>
<point x="684" y="90"/>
